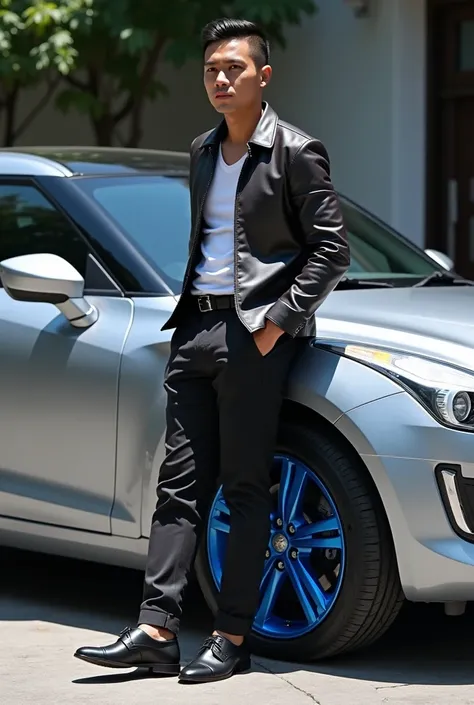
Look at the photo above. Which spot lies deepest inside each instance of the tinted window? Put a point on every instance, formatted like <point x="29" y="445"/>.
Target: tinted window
<point x="30" y="224"/>
<point x="154" y="212"/>
<point x="377" y="251"/>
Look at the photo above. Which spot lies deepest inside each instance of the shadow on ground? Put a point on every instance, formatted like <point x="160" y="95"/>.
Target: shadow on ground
<point x="423" y="647"/>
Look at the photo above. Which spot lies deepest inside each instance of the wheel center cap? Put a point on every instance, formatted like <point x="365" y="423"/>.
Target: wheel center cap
<point x="280" y="543"/>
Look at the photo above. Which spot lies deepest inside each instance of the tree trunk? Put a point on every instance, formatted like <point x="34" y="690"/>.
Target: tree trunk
<point x="9" y="109"/>
<point x="104" y="130"/>
<point x="136" y="132"/>
<point x="136" y="102"/>
<point x="51" y="86"/>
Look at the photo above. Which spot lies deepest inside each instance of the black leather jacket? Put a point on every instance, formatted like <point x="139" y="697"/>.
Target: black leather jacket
<point x="290" y="242"/>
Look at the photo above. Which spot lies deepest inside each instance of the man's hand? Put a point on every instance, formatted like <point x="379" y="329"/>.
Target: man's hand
<point x="265" y="338"/>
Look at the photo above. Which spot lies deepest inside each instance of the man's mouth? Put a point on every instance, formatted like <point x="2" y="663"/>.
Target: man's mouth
<point x="222" y="95"/>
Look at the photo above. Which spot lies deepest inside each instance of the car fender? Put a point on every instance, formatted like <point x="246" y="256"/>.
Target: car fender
<point x="332" y="385"/>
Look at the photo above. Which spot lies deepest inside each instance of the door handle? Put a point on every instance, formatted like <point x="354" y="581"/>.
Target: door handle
<point x="452" y="217"/>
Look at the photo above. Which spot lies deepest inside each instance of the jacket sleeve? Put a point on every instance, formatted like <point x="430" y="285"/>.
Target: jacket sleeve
<point x="317" y="210"/>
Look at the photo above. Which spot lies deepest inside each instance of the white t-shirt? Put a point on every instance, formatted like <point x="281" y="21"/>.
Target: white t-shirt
<point x="215" y="272"/>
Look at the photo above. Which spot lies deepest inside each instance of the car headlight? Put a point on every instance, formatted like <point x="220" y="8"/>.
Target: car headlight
<point x="446" y="392"/>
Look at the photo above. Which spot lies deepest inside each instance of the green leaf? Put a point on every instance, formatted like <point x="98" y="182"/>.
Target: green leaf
<point x="61" y="39"/>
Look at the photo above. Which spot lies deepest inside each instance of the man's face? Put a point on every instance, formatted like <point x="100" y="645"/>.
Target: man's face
<point x="232" y="80"/>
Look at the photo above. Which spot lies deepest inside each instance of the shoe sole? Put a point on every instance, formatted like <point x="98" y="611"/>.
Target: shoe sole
<point x="156" y="669"/>
<point x="241" y="668"/>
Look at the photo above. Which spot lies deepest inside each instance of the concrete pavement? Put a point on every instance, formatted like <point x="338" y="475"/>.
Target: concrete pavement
<point x="49" y="606"/>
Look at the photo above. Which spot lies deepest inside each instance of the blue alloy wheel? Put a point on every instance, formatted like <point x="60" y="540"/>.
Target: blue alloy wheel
<point x="306" y="556"/>
<point x="330" y="582"/>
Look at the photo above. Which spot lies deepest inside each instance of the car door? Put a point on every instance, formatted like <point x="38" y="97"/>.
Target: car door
<point x="58" y="384"/>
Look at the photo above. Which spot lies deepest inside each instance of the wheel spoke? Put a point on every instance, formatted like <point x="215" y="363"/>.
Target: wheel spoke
<point x="308" y="609"/>
<point x="292" y="485"/>
<point x="269" y="566"/>
<point x="222" y="507"/>
<point x="309" y="593"/>
<point x="315" y="592"/>
<point x="324" y="543"/>
<point x="219" y="525"/>
<point x="318" y="527"/>
<point x="271" y="584"/>
<point x="308" y="536"/>
<point x="285" y="479"/>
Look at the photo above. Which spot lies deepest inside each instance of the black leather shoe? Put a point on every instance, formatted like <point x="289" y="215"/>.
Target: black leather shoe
<point x="217" y="659"/>
<point x="134" y="648"/>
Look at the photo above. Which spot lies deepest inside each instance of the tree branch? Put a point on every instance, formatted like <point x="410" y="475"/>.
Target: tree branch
<point x="135" y="100"/>
<point x="40" y="105"/>
<point x="93" y="85"/>
<point x="120" y="138"/>
<point x="77" y="83"/>
<point x="10" y="106"/>
<point x="150" y="64"/>
<point x="125" y="109"/>
<point x="149" y="69"/>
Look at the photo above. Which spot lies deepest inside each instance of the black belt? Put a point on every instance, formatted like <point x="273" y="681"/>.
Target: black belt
<point x="209" y="302"/>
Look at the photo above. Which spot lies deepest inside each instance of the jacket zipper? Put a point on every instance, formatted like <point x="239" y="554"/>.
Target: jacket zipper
<point x="235" y="236"/>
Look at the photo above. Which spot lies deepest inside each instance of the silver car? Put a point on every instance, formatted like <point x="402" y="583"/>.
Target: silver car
<point x="373" y="477"/>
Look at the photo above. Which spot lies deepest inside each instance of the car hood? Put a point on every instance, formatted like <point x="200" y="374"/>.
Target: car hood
<point x="437" y="322"/>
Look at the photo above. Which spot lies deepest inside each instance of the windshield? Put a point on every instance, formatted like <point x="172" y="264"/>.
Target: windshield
<point x="154" y="212"/>
<point x="378" y="252"/>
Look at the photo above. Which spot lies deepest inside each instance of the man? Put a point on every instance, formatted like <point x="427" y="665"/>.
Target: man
<point x="267" y="246"/>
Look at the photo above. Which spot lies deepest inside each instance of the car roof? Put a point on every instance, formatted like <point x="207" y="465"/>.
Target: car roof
<point x="86" y="160"/>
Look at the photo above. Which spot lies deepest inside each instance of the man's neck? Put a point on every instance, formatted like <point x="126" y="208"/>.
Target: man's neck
<point x="240" y="127"/>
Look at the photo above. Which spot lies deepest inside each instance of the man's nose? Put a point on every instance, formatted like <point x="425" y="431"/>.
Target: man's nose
<point x="221" y="79"/>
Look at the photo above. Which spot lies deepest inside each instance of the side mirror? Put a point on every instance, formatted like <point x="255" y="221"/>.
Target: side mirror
<point x="48" y="279"/>
<point x="441" y="259"/>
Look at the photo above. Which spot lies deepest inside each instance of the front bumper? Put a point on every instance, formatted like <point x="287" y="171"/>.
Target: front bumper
<point x="423" y="473"/>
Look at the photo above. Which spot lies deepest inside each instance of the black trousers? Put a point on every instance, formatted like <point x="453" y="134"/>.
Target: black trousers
<point x="224" y="400"/>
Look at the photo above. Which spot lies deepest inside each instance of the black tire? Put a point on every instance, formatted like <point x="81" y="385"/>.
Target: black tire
<point x="370" y="596"/>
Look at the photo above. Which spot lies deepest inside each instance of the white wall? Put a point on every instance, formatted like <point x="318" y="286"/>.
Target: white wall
<point x="409" y="125"/>
<point x="357" y="84"/>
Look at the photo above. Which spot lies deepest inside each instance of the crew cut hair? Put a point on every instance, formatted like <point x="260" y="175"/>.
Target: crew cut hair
<point x="228" y="28"/>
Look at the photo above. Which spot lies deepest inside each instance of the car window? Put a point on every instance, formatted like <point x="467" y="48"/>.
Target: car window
<point x="379" y="252"/>
<point x="30" y="224"/>
<point x="154" y="212"/>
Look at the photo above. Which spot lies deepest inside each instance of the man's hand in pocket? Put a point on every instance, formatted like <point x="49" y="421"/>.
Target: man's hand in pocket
<point x="266" y="338"/>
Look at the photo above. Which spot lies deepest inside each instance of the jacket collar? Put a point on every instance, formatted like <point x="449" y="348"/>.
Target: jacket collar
<point x="263" y="136"/>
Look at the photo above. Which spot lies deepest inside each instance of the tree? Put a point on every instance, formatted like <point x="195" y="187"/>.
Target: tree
<point x="118" y="53"/>
<point x="36" y="49"/>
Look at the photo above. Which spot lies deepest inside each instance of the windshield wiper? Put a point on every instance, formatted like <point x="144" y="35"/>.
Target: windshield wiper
<point x="440" y="278"/>
<point x="354" y="283"/>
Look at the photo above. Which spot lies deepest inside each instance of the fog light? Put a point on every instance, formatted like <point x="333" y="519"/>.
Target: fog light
<point x="454" y="407"/>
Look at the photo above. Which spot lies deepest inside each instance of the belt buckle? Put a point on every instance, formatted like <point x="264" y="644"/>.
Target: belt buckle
<point x="204" y="307"/>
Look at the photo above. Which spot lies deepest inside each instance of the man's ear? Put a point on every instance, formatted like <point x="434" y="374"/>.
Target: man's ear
<point x="265" y="76"/>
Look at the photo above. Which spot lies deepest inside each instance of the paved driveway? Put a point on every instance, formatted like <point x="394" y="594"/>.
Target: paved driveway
<point x="49" y="606"/>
